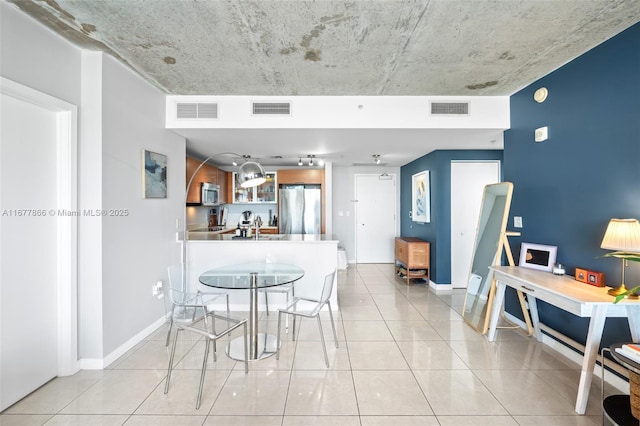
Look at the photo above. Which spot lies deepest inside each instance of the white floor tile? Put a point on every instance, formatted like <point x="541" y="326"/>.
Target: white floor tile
<point x="405" y="358"/>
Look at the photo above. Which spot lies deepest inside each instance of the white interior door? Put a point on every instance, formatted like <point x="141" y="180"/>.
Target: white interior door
<point x="468" y="180"/>
<point x="375" y="218"/>
<point x="28" y="249"/>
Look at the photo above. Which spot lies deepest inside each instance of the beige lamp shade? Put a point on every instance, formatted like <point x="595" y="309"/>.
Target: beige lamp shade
<point x="622" y="235"/>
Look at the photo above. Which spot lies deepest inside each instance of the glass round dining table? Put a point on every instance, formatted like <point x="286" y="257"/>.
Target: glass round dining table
<point x="252" y="276"/>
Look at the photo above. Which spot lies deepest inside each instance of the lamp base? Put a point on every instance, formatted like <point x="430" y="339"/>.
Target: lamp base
<point x="617" y="291"/>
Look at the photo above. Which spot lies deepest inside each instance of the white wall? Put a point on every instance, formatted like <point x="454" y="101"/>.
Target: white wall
<point x="36" y="57"/>
<point x="343" y="193"/>
<point x="120" y="258"/>
<point x="136" y="248"/>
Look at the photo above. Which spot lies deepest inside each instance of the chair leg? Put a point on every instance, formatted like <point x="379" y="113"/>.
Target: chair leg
<point x="333" y="324"/>
<point x="324" y="346"/>
<point x="278" y="336"/>
<point x="246" y="349"/>
<point x="286" y="320"/>
<point x="173" y="308"/>
<point x="171" y="358"/>
<point x="204" y="370"/>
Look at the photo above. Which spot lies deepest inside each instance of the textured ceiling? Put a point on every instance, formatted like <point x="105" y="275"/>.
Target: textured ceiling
<point x="286" y="48"/>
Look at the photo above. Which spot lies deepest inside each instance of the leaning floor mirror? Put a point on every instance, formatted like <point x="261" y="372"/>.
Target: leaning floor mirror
<point x="492" y="224"/>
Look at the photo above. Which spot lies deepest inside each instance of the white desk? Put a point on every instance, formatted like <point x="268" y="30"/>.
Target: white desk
<point x="572" y="296"/>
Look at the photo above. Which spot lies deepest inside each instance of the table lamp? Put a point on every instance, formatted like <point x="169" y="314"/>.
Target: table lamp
<point x="622" y="236"/>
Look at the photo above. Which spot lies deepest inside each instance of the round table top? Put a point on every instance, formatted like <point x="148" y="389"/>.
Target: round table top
<point x="239" y="276"/>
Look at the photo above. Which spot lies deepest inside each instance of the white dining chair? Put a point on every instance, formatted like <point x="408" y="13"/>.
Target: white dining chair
<point x="286" y="289"/>
<point x="310" y="311"/>
<point x="187" y="306"/>
<point x="205" y="329"/>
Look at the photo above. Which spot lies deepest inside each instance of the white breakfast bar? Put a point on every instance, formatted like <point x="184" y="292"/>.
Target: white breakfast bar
<point x="317" y="255"/>
<point x="572" y="296"/>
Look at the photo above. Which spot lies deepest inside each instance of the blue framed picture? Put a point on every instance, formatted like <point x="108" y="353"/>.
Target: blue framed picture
<point x="154" y="175"/>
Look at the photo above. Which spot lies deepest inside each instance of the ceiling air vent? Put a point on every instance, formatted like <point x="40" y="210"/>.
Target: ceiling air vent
<point x="197" y="110"/>
<point x="271" y="108"/>
<point x="449" y="108"/>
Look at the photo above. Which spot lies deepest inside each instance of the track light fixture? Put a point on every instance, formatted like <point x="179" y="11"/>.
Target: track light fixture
<point x="311" y="157"/>
<point x="299" y="161"/>
<point x="376" y="158"/>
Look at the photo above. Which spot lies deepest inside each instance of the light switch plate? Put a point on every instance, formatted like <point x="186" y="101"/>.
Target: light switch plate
<point x="542" y="134"/>
<point x="517" y="221"/>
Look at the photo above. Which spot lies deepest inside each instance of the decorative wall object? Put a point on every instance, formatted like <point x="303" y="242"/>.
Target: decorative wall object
<point x="420" y="197"/>
<point x="154" y="175"/>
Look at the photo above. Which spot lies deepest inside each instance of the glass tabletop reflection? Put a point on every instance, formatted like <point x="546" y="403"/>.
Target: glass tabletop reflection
<point x="239" y="276"/>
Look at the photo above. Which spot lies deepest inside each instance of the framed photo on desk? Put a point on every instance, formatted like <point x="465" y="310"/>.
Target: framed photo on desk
<point x="538" y="256"/>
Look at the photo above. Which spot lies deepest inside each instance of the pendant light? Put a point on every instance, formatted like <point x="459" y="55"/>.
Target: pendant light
<point x="251" y="174"/>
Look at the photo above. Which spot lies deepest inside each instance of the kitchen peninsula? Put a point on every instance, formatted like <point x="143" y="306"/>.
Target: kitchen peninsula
<point x="316" y="254"/>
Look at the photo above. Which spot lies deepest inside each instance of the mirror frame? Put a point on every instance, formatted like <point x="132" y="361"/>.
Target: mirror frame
<point x="487" y="285"/>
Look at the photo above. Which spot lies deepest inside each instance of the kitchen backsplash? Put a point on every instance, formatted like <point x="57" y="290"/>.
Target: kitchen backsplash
<point x="200" y="214"/>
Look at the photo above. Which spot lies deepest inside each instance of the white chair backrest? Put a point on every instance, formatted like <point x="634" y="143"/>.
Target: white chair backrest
<point x="327" y="288"/>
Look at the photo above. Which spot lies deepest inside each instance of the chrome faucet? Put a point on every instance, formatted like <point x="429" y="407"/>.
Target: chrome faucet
<point x="258" y="223"/>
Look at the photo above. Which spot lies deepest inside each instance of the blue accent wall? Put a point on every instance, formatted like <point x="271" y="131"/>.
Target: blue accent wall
<point x="567" y="188"/>
<point x="438" y="231"/>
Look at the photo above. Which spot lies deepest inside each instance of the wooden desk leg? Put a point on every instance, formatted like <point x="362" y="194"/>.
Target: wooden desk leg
<point x="596" y="325"/>
<point x="496" y="306"/>
<point x="633" y="315"/>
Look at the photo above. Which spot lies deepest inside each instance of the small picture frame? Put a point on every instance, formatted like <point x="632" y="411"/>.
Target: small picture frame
<point x="538" y="256"/>
<point x="154" y="175"/>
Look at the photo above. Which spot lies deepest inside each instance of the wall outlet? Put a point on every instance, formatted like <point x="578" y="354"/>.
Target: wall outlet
<point x="156" y="290"/>
<point x="517" y="221"/>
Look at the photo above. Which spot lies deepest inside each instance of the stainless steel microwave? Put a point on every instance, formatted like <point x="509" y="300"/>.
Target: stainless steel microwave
<point x="210" y="194"/>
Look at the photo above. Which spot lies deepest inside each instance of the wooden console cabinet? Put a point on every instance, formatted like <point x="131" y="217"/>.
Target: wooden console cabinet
<point x="412" y="255"/>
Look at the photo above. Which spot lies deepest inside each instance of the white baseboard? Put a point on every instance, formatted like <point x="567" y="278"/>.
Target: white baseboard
<point x="440" y="288"/>
<point x="101" y="363"/>
<point x="619" y="383"/>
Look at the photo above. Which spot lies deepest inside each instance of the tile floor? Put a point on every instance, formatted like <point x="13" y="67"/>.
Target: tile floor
<point x="405" y="357"/>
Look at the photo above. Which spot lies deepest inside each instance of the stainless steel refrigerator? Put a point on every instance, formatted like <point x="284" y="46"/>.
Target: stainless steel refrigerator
<point x="299" y="209"/>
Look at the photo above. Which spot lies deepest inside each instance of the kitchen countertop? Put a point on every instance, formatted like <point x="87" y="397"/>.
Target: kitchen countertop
<point x="220" y="236"/>
<point x="205" y="230"/>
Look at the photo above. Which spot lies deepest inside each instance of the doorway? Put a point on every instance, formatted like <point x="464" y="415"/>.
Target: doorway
<point x="38" y="249"/>
<point x="468" y="179"/>
<point x="375" y="215"/>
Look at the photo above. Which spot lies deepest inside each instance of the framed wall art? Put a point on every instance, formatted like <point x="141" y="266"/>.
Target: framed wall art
<point x="420" y="197"/>
<point x="154" y="175"/>
<point x="538" y="256"/>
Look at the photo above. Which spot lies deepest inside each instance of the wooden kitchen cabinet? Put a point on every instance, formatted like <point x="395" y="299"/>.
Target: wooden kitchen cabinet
<point x="412" y="258"/>
<point x="207" y="173"/>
